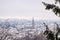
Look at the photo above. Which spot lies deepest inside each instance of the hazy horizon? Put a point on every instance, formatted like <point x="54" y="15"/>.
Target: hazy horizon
<point x="25" y="9"/>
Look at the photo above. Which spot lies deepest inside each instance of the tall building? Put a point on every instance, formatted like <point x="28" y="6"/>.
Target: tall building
<point x="33" y="24"/>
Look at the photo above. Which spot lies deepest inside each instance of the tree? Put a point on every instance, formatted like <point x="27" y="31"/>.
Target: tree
<point x="56" y="10"/>
<point x="54" y="7"/>
<point x="58" y="31"/>
<point x="49" y="34"/>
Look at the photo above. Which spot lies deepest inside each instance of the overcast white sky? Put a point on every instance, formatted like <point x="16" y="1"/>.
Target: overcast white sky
<point x="25" y="9"/>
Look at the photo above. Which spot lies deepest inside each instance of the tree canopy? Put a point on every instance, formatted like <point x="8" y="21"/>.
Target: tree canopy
<point x="54" y="7"/>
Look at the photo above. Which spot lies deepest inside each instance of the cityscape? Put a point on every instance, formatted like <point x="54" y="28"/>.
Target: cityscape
<point x="14" y="29"/>
<point x="29" y="19"/>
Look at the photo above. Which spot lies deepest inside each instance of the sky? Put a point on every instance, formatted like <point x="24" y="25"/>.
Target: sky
<point x="25" y="9"/>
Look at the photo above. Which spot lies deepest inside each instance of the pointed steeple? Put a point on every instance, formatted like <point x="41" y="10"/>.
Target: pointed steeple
<point x="33" y="23"/>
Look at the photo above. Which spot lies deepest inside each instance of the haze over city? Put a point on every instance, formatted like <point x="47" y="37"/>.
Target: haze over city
<point x="25" y="9"/>
<point x="29" y="20"/>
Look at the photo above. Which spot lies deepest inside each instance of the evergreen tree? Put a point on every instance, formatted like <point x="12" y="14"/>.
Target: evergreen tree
<point x="58" y="31"/>
<point x="49" y="34"/>
<point x="56" y="10"/>
<point x="54" y="7"/>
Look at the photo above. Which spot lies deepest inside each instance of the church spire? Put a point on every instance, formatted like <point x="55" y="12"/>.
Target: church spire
<point x="32" y="22"/>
